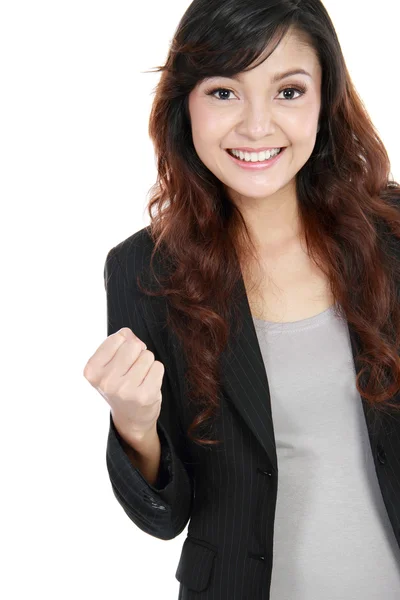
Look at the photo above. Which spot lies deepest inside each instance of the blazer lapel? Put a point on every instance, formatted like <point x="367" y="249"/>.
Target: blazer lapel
<point x="245" y="381"/>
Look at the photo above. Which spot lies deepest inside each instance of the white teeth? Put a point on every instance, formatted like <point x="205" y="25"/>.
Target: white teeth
<point x="255" y="156"/>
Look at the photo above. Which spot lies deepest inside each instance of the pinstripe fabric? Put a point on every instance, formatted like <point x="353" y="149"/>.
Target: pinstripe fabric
<point x="226" y="495"/>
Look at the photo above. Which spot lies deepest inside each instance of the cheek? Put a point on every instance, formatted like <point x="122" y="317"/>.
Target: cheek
<point x="301" y="124"/>
<point x="208" y="127"/>
<point x="309" y="125"/>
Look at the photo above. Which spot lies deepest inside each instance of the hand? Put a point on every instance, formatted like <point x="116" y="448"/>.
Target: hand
<point x="129" y="379"/>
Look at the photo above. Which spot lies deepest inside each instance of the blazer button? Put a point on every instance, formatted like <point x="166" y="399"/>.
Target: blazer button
<point x="257" y="556"/>
<point x="269" y="473"/>
<point x="381" y="454"/>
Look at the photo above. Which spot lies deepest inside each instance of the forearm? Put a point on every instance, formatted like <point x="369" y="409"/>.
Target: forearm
<point x="144" y="454"/>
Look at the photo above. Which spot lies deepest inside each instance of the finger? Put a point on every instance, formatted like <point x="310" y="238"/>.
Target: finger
<point x="106" y="351"/>
<point x="147" y="381"/>
<point x="130" y="354"/>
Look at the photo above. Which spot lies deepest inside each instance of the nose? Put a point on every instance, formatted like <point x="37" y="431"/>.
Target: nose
<point x="257" y="120"/>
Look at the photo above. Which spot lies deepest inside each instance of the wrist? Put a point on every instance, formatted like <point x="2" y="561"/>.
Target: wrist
<point x="142" y="442"/>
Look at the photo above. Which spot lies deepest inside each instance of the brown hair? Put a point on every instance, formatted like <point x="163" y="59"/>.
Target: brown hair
<point x="349" y="208"/>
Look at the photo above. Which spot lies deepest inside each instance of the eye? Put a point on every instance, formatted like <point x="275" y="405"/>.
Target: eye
<point x="300" y="89"/>
<point x="215" y="90"/>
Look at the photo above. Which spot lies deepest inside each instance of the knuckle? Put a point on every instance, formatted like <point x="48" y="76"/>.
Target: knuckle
<point x="147" y="352"/>
<point x="135" y="342"/>
<point x="90" y="374"/>
<point x="87" y="372"/>
<point x="124" y="330"/>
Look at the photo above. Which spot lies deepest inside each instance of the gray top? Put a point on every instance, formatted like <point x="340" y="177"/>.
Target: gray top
<point x="332" y="536"/>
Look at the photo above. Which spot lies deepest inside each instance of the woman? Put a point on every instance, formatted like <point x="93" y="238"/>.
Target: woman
<point x="272" y="336"/>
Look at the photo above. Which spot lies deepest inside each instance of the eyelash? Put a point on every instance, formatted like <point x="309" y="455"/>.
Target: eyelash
<point x="298" y="88"/>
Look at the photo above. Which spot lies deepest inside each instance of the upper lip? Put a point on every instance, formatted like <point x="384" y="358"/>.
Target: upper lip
<point x="256" y="149"/>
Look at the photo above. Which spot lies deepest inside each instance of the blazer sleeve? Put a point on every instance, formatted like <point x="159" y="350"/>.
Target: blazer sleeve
<point x="163" y="509"/>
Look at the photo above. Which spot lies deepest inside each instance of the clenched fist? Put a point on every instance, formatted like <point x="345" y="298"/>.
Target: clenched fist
<point x="130" y="380"/>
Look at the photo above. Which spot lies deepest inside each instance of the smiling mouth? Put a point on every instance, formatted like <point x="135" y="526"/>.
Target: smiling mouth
<point x="229" y="151"/>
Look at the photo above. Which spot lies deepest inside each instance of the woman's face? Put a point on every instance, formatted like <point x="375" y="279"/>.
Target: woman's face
<point x="259" y="112"/>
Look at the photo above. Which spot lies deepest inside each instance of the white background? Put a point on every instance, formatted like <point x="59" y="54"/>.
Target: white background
<point x="75" y="170"/>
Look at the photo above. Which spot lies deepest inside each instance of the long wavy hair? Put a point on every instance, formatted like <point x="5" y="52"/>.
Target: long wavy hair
<point x="348" y="205"/>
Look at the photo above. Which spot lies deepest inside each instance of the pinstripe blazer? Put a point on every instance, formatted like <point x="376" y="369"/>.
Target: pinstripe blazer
<point x="227" y="493"/>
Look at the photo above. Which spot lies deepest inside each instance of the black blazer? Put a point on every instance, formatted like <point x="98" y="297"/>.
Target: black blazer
<point x="228" y="492"/>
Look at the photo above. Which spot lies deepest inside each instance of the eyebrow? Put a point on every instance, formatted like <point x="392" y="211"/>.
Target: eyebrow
<point x="276" y="77"/>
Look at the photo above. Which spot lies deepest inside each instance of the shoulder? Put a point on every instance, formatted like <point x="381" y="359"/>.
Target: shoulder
<point x="128" y="265"/>
<point x="131" y="255"/>
<point x="134" y="248"/>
